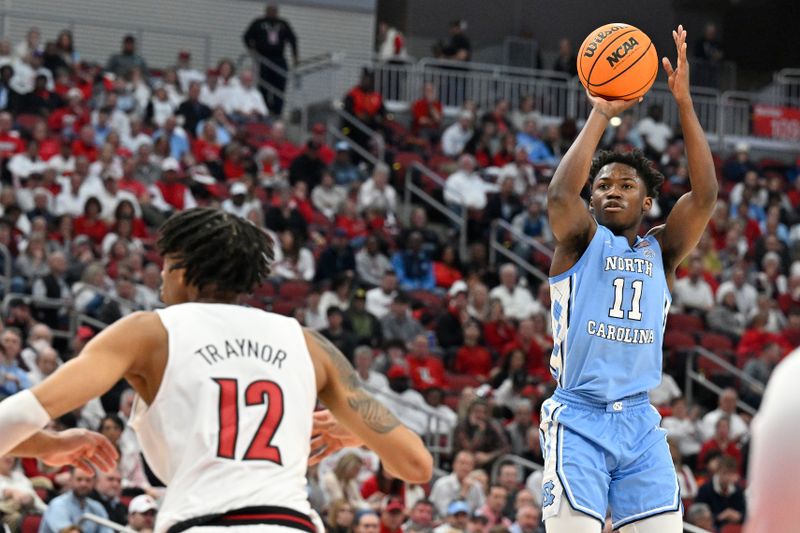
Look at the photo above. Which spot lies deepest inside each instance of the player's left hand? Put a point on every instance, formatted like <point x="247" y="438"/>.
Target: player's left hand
<point x="678" y="77"/>
<point x="82" y="449"/>
<point x="328" y="436"/>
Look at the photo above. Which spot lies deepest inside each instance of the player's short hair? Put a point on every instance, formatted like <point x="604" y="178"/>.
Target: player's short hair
<point x="217" y="249"/>
<point x="653" y="179"/>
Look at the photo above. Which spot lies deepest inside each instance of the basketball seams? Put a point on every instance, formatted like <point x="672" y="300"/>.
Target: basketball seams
<point x="589" y="39"/>
<point x="649" y="82"/>
<point x="603" y="51"/>
<point x="626" y="69"/>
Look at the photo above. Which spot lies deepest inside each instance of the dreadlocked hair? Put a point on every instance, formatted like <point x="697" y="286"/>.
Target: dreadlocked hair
<point x="653" y="179"/>
<point x="218" y="250"/>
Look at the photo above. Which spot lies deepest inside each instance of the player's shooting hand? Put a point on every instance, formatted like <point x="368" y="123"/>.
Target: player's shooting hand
<point x="678" y="77"/>
<point x="82" y="449"/>
<point x="610" y="108"/>
<point x="328" y="436"/>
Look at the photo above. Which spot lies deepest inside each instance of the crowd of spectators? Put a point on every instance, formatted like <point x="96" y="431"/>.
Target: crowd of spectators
<point x="95" y="157"/>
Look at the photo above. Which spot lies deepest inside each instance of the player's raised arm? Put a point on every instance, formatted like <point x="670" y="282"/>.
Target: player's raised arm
<point x="570" y="220"/>
<point x="688" y="219"/>
<point x="402" y="452"/>
<point x="102" y="363"/>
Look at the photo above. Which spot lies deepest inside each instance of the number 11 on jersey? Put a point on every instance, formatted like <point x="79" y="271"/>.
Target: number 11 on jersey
<point x="619" y="287"/>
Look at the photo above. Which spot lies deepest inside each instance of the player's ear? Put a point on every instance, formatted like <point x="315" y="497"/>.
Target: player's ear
<point x="647" y="203"/>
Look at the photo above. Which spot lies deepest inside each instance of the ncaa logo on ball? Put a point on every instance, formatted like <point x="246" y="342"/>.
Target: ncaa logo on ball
<point x="621" y="51"/>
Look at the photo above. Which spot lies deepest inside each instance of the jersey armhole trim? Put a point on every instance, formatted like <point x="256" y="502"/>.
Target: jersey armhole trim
<point x="158" y="395"/>
<point x="581" y="260"/>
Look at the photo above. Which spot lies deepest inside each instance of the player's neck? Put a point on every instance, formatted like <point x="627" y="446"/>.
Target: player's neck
<point x="630" y="234"/>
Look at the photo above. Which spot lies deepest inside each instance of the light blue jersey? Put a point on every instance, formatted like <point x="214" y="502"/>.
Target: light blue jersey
<point x="609" y="311"/>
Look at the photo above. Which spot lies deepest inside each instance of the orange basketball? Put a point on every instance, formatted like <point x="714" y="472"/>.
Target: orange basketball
<point x="618" y="62"/>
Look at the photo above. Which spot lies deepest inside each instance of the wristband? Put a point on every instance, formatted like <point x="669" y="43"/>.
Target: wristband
<point x="21" y="415"/>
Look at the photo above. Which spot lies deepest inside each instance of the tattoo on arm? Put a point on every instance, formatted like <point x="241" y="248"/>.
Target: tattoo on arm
<point x="374" y="414"/>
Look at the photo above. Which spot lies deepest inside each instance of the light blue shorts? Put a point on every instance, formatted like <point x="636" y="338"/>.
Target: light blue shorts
<point x="600" y="454"/>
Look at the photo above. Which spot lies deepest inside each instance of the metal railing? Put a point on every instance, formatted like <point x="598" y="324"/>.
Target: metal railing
<point x="496" y="247"/>
<point x="351" y="120"/>
<point x="333" y="131"/>
<point x="104" y="522"/>
<point x="412" y="189"/>
<point x="438" y="435"/>
<point x="693" y="376"/>
<point x="787" y="82"/>
<point x="78" y="24"/>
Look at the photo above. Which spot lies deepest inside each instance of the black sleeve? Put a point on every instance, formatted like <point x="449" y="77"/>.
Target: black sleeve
<point x="291" y="38"/>
<point x="249" y="37"/>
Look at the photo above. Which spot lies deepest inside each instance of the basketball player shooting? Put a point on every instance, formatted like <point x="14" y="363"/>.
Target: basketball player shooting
<point x="226" y="394"/>
<point x="610" y="290"/>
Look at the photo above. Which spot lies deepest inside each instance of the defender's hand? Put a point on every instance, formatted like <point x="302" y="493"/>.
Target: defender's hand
<point x="82" y="449"/>
<point x="328" y="436"/>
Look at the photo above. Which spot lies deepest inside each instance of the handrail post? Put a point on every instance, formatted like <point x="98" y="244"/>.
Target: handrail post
<point x="689" y="382"/>
<point x="407" y="198"/>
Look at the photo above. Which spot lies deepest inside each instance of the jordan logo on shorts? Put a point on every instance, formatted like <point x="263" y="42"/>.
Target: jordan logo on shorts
<point x="548" y="498"/>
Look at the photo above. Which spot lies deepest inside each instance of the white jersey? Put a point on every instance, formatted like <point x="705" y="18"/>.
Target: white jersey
<point x="230" y="425"/>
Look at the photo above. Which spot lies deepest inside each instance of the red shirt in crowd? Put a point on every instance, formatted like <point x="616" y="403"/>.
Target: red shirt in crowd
<point x="90" y="151"/>
<point x="205" y="151"/>
<point x="370" y="487"/>
<point x="713" y="445"/>
<point x="499" y="334"/>
<point x="426" y="372"/>
<point x="423" y="108"/>
<point x="445" y="275"/>
<point x="354" y="226"/>
<point x="10" y="144"/>
<point x="287" y="152"/>
<point x="48" y="148"/>
<point x="174" y="193"/>
<point x="94" y="229"/>
<point x="473" y="360"/>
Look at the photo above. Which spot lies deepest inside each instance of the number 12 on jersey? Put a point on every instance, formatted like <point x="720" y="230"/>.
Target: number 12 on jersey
<point x="257" y="393"/>
<point x="616" y="310"/>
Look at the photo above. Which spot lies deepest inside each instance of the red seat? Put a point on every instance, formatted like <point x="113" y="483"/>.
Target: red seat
<point x="441" y="163"/>
<point x="685" y="323"/>
<point x="678" y="340"/>
<point x="456" y="382"/>
<point x="27" y="121"/>
<point x="731" y="528"/>
<point x="293" y="290"/>
<point x="284" y="307"/>
<point x="30" y="523"/>
<point x="430" y="300"/>
<point x="404" y="160"/>
<point x="265" y="290"/>
<point x="716" y="343"/>
<point x="710" y="368"/>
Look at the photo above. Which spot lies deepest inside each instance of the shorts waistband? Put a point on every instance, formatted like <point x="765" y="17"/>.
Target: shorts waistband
<point x="623" y="404"/>
<point x="278" y="516"/>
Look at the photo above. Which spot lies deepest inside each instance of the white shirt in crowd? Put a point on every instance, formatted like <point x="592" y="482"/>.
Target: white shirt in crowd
<point x="517" y="304"/>
<point x="690" y="294"/>
<point x="245" y="100"/>
<point x="454" y="139"/>
<point x="738" y="425"/>
<point x="467" y="189"/>
<point x="371" y="197"/>
<point x="378" y="302"/>
<point x="657" y="134"/>
<point x="685" y="432"/>
<point x="746" y="296"/>
<point x="666" y="391"/>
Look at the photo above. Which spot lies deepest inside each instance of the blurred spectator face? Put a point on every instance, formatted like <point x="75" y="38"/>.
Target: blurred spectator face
<point x="47" y="361"/>
<point x="496" y="499"/>
<point x="701" y="517"/>
<point x="367" y="83"/>
<point x="40" y="332"/>
<point x="526" y="329"/>
<point x="466" y="163"/>
<point x="6" y="465"/>
<point x="772" y="353"/>
<point x="389" y="282"/>
<point x="508" y="276"/>
<point x="129" y="45"/>
<point x="5" y="122"/>
<point x="344" y="516"/>
<point x="429" y="92"/>
<point x="81" y="484"/>
<point x="738" y="277"/>
<point x="393" y="519"/>
<point x="12" y="344"/>
<point x="246" y="78"/>
<point x="109" y="485"/>
<point x="477" y="524"/>
<point x="363" y="361"/>
<point x="751" y="179"/>
<point x="335" y="320"/>
<point x="695" y="266"/>
<point x="723" y="430"/>
<point x="729" y="300"/>
<point x="419" y="347"/>
<point x="367" y="523"/>
<point x="528" y="518"/>
<point x="419" y="218"/>
<point x="472" y="332"/>
<point x="522" y="414"/>
<point x="508" y="477"/>
<point x="679" y="408"/>
<point x="521" y="156"/>
<point x="422" y="514"/>
<point x="110" y="430"/>
<point x="415" y="242"/>
<point x="479" y="413"/>
<point x="530" y="127"/>
<point x="126" y="289"/>
<point x="727" y="401"/>
<point x="525" y="497"/>
<point x="87" y="135"/>
<point x="463" y="464"/>
<point x="728" y="475"/>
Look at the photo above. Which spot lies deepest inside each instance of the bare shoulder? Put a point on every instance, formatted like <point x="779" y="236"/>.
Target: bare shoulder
<point x="656" y="231"/>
